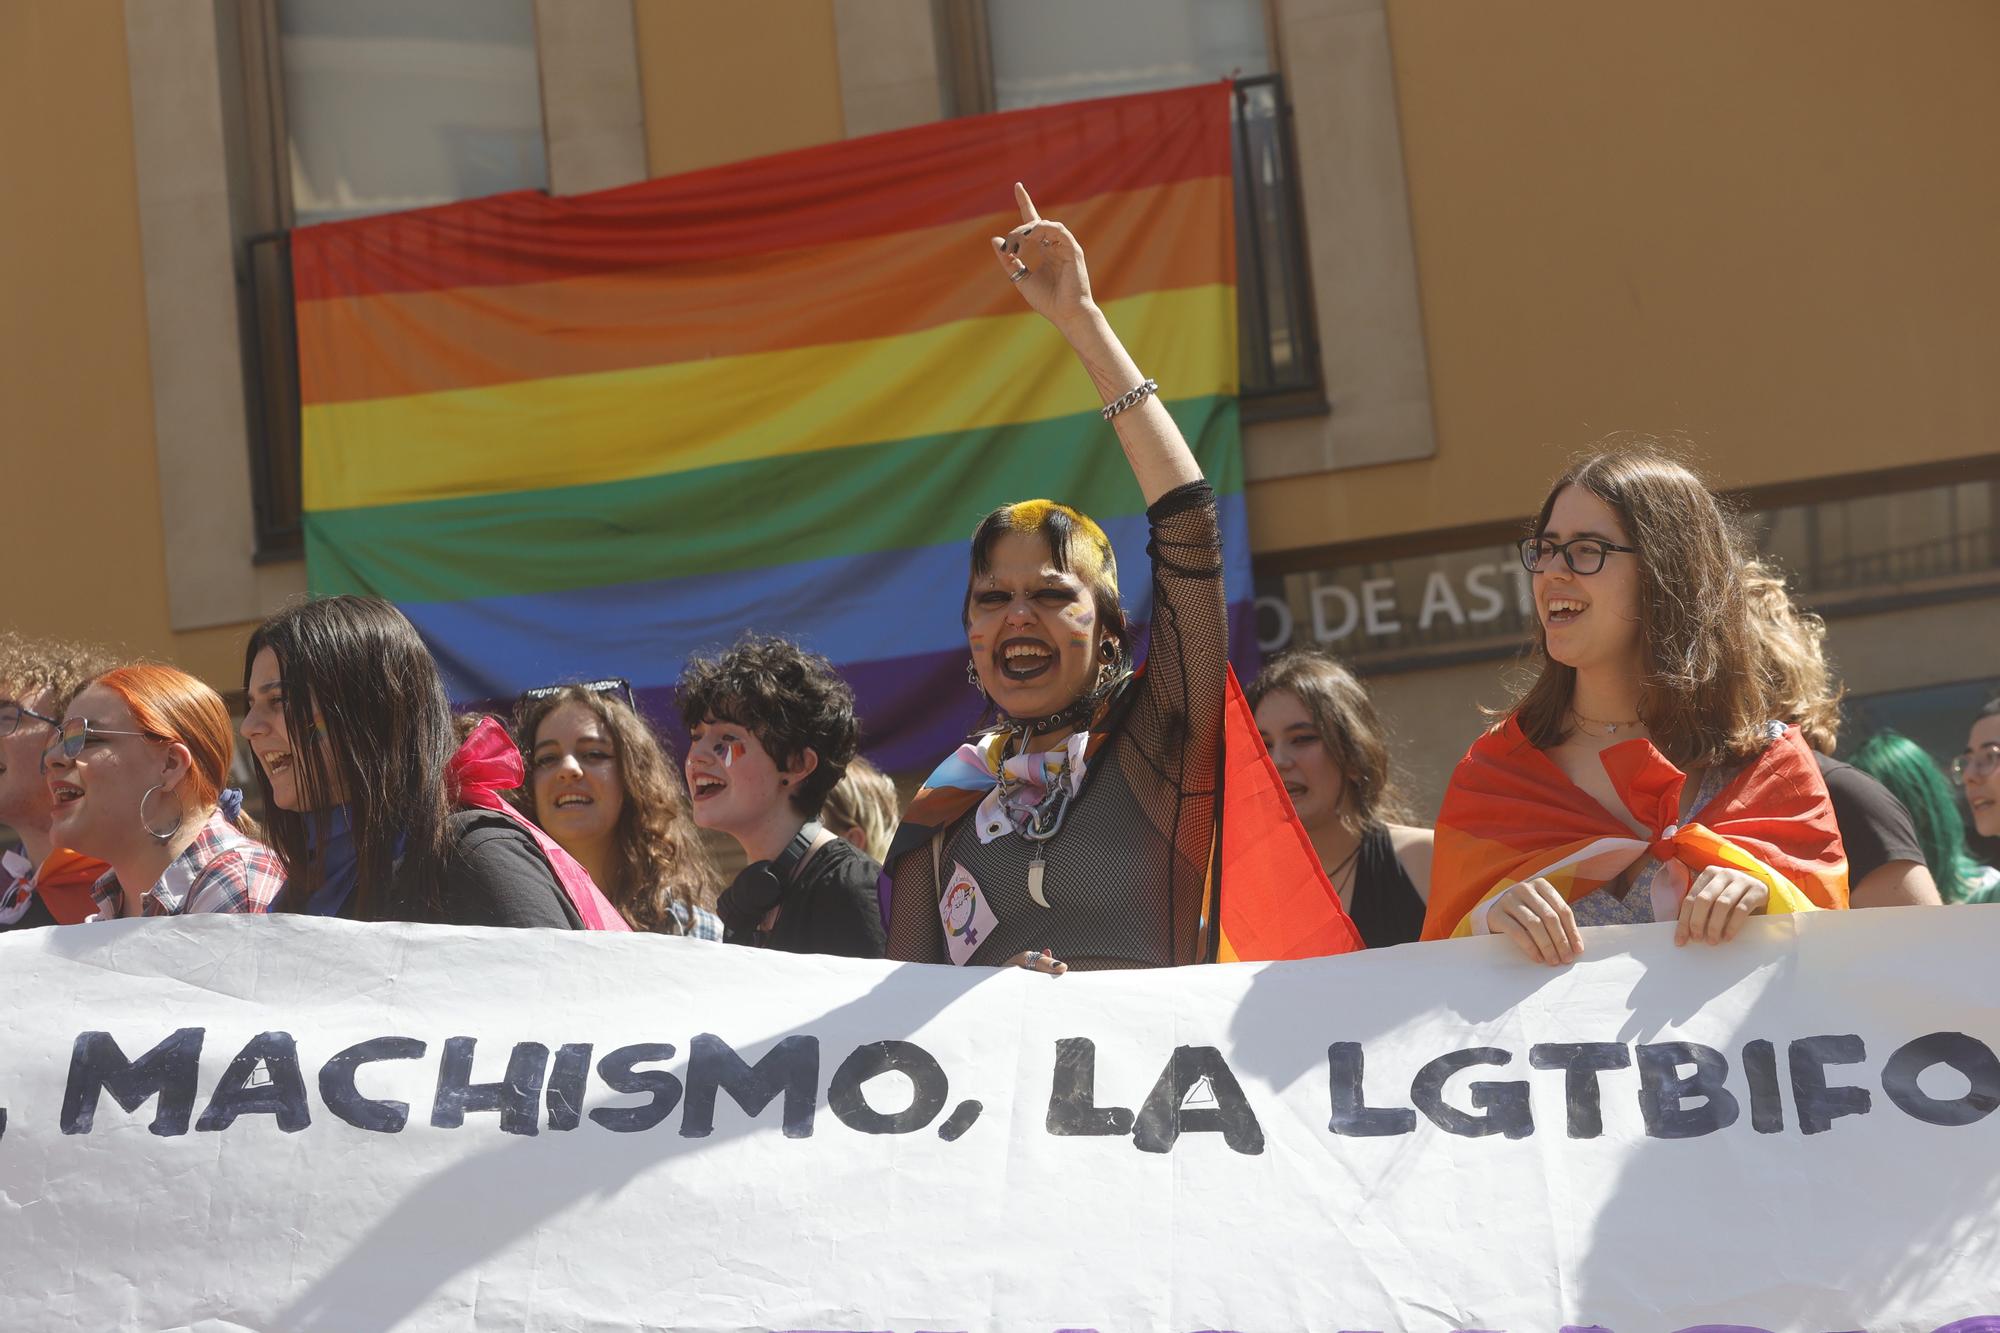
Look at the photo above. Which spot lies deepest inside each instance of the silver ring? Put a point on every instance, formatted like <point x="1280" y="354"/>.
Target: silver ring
<point x="1019" y="274"/>
<point x="1035" y="957"/>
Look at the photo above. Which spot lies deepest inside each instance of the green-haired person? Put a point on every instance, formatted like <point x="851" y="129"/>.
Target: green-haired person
<point x="1901" y="765"/>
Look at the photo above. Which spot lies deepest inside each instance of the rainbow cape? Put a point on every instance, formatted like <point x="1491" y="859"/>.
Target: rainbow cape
<point x="1511" y="815"/>
<point x="1267" y="896"/>
<point x="590" y="436"/>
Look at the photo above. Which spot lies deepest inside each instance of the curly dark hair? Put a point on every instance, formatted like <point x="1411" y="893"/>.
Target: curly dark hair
<point x="791" y="700"/>
<point x="663" y="860"/>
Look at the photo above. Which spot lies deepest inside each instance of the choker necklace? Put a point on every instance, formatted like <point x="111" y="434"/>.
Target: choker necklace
<point x="1078" y="712"/>
<point x="1610" y="728"/>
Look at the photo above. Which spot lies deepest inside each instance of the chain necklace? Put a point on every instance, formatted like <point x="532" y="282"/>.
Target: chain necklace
<point x="1610" y="728"/>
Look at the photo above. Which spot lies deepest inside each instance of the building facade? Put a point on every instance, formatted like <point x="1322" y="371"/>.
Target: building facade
<point x="1482" y="236"/>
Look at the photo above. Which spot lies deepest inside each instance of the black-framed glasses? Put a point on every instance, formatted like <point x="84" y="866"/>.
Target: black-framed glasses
<point x="73" y="734"/>
<point x="615" y="686"/>
<point x="1977" y="765"/>
<point x="12" y="711"/>
<point x="1583" y="555"/>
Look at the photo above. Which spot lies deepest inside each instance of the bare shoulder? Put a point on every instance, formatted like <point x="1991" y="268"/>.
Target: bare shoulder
<point x="1413" y="849"/>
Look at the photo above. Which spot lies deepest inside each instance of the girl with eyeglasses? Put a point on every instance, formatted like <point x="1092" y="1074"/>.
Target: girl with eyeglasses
<point x="1638" y="778"/>
<point x="41" y="882"/>
<point x="379" y="810"/>
<point x="1978" y="772"/>
<point x="601" y="785"/>
<point x="138" y="774"/>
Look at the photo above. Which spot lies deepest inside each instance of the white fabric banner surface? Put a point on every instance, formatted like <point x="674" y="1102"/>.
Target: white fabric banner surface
<point x="245" y="1123"/>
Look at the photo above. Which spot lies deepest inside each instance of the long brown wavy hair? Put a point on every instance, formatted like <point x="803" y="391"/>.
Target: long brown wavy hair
<point x="1700" y="693"/>
<point x="1348" y="726"/>
<point x="662" y="858"/>
<point x="1800" y="688"/>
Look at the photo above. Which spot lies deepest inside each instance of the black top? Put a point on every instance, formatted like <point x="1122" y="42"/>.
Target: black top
<point x="1874" y="826"/>
<point x="493" y="875"/>
<point x="1387" y="908"/>
<point x="830" y="906"/>
<point x="1125" y="876"/>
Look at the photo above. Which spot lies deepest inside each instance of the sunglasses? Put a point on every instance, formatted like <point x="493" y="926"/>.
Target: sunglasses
<point x="1583" y="555"/>
<point x="76" y="733"/>
<point x="12" y="712"/>
<point x="616" y="687"/>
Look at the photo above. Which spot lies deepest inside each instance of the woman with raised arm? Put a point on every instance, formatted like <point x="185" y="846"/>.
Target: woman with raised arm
<point x="1640" y="777"/>
<point x="1077" y="832"/>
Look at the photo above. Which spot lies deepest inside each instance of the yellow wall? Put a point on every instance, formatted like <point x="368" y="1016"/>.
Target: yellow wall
<point x="1770" y="226"/>
<point x="723" y="82"/>
<point x="81" y="538"/>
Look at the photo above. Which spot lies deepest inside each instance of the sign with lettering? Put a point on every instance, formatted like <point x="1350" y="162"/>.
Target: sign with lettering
<point x="285" y="1123"/>
<point x="1460" y="597"/>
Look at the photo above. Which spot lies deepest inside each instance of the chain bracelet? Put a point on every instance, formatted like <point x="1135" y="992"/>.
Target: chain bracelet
<point x="1129" y="400"/>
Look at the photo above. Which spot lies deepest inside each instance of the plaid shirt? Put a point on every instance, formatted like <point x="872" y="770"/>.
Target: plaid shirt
<point x="221" y="871"/>
<point x="707" y="925"/>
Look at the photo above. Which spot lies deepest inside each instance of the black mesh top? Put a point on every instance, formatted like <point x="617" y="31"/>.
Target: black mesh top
<point x="1125" y="876"/>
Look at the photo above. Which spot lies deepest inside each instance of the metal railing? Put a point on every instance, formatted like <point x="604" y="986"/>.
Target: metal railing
<point x="1279" y="339"/>
<point x="271" y="387"/>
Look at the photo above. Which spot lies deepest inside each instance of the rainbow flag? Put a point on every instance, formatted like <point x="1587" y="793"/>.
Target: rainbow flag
<point x="1511" y="815"/>
<point x="592" y="436"/>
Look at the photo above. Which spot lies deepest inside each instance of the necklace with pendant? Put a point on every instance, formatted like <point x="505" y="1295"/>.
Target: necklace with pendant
<point x="1610" y="728"/>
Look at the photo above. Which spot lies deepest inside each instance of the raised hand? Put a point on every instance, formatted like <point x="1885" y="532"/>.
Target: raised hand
<point x="1045" y="262"/>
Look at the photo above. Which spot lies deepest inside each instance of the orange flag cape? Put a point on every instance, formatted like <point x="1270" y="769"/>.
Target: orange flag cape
<point x="1511" y="815"/>
<point x="64" y="882"/>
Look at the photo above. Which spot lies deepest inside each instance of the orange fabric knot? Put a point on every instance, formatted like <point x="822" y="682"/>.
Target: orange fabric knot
<point x="1667" y="845"/>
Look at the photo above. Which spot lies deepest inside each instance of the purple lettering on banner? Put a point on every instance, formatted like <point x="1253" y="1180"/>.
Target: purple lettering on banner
<point x="1585" y="1328"/>
<point x="1981" y="1323"/>
<point x="1723" y="1328"/>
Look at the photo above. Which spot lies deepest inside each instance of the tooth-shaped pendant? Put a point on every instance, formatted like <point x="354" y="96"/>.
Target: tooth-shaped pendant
<point x="1035" y="880"/>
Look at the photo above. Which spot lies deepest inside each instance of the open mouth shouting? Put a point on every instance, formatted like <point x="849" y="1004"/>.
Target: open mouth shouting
<point x="1563" y="610"/>
<point x="1023" y="659"/>
<point x="573" y="798"/>
<point x="275" y="762"/>
<point x="706" y="786"/>
<point x="65" y="793"/>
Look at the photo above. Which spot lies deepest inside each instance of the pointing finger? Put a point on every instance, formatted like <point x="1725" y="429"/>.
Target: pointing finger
<point x="1026" y="205"/>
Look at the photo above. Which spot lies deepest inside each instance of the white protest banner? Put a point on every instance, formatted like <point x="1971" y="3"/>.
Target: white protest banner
<point x="238" y="1123"/>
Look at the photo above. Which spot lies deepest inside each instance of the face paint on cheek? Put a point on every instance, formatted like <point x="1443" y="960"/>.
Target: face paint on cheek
<point x="729" y="752"/>
<point x="1080" y="622"/>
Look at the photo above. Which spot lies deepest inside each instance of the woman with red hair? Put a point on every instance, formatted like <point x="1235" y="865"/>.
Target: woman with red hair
<point x="137" y="774"/>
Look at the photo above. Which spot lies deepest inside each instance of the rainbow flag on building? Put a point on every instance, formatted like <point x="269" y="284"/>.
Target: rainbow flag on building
<point x="592" y="436"/>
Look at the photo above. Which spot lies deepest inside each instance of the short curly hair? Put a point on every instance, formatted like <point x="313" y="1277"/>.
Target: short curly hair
<point x="791" y="700"/>
<point x="61" y="668"/>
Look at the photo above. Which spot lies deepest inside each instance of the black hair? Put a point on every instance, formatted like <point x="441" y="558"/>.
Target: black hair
<point x="1065" y="530"/>
<point x="790" y="699"/>
<point x="357" y="667"/>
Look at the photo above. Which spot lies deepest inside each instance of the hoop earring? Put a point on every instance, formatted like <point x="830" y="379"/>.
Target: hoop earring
<point x="972" y="678"/>
<point x="147" y="825"/>
<point x="1109" y="651"/>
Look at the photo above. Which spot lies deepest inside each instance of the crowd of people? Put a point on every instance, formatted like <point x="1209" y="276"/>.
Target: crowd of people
<point x="1671" y="758"/>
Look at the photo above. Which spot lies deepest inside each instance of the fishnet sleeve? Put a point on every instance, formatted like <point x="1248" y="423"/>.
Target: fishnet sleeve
<point x="1177" y="720"/>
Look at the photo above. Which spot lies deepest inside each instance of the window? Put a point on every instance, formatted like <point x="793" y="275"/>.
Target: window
<point x="391" y="105"/>
<point x="1003" y="54"/>
<point x="344" y="108"/>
